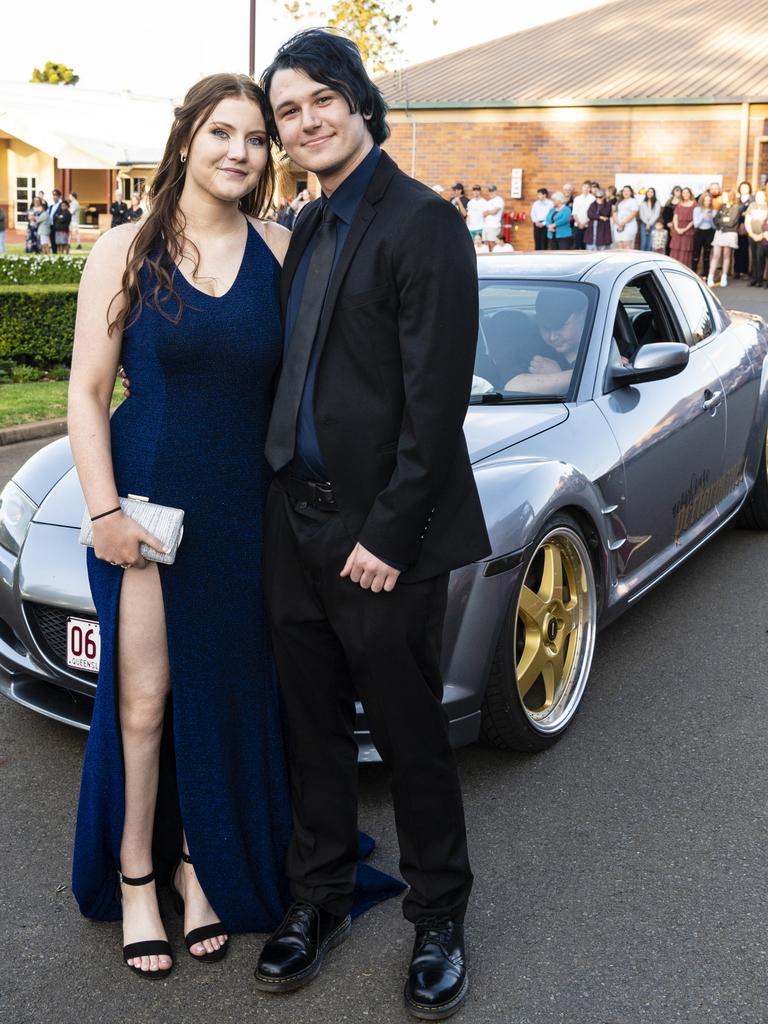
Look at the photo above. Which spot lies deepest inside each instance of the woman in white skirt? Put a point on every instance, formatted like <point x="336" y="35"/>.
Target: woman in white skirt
<point x="625" y="219"/>
<point x="726" y="240"/>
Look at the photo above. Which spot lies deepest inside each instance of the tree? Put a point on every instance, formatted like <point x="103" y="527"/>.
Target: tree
<point x="372" y="24"/>
<point x="55" y="74"/>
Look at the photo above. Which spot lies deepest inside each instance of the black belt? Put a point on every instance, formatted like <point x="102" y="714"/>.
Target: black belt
<point x="316" y="494"/>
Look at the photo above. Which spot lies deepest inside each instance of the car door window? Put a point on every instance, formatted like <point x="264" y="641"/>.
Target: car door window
<point x="690" y="295"/>
<point x="642" y="317"/>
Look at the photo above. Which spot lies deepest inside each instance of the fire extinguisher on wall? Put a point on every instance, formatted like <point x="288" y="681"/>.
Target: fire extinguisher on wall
<point x="507" y="228"/>
<point x="510" y="221"/>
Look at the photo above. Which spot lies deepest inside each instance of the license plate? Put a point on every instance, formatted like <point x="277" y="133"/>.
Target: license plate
<point x="83" y="644"/>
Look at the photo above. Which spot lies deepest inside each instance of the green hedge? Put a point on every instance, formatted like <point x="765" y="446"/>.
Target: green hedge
<point x="37" y="323"/>
<point x="41" y="269"/>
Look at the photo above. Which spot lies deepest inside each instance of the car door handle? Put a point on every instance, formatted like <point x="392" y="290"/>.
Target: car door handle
<point x="712" y="399"/>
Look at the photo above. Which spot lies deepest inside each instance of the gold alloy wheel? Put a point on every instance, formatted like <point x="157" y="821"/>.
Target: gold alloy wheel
<point x="555" y="630"/>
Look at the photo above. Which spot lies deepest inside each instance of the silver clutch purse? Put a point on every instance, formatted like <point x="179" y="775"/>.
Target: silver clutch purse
<point x="161" y="521"/>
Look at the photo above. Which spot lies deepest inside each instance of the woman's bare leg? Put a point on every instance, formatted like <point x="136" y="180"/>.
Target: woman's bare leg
<point x="726" y="261"/>
<point x="143" y="690"/>
<point x="714" y="263"/>
<point x="197" y="910"/>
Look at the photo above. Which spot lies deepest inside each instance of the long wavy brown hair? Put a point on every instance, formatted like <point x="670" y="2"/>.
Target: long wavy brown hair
<point x="160" y="241"/>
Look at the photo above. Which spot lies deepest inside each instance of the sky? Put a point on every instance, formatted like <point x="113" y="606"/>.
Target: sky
<point x="167" y="46"/>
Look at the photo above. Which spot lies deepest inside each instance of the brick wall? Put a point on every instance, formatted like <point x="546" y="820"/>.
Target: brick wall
<point x="552" y="152"/>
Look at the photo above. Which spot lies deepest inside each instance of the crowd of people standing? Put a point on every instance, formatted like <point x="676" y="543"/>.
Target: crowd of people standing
<point x="483" y="214"/>
<point x="720" y="231"/>
<point x="721" y="234"/>
<point x="52" y="227"/>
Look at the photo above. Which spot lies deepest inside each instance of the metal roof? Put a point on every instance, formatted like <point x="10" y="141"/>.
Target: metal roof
<point x="86" y="128"/>
<point x="621" y="52"/>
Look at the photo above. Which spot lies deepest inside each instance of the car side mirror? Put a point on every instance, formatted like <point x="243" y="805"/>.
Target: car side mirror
<point x="656" y="361"/>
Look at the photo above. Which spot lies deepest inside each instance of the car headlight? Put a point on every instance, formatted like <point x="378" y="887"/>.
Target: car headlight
<point x="16" y="511"/>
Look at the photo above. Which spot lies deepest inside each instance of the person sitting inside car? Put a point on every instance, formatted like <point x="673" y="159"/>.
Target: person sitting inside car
<point x="560" y="317"/>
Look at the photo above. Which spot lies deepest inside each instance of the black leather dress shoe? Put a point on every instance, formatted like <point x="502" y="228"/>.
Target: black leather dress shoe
<point x="293" y="955"/>
<point x="437" y="980"/>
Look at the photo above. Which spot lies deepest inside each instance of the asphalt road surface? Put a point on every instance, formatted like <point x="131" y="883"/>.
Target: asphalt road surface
<point x="621" y="877"/>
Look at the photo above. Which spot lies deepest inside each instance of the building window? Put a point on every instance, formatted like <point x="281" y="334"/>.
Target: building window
<point x="25" y="196"/>
<point x="132" y="186"/>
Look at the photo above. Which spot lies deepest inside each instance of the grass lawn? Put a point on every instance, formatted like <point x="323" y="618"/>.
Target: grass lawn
<point x="40" y="400"/>
<point x="5" y="288"/>
<point x="17" y="248"/>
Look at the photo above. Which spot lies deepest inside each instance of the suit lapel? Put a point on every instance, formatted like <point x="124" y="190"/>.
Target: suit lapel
<point x="302" y="233"/>
<point x="306" y="227"/>
<point x="366" y="211"/>
<point x="363" y="217"/>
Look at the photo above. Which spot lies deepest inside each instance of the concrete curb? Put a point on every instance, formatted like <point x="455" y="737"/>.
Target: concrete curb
<point x="31" y="431"/>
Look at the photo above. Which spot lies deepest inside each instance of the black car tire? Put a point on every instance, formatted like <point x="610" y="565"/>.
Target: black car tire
<point x="754" y="514"/>
<point x="507" y="723"/>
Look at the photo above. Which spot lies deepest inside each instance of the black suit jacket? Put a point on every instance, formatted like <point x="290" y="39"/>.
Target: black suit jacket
<point x="397" y="342"/>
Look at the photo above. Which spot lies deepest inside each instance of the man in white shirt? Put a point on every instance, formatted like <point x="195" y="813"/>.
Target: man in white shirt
<point x="581" y="204"/>
<point x="493" y="211"/>
<point x="476" y="208"/>
<point x="539" y="212"/>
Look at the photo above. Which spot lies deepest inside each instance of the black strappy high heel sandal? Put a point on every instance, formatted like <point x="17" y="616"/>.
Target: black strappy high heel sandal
<point x="150" y="947"/>
<point x="207" y="931"/>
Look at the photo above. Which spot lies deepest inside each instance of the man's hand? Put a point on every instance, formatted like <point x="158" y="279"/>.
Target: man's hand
<point x="543" y="364"/>
<point x="369" y="571"/>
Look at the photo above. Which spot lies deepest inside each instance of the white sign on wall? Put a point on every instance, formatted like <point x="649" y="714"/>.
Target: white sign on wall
<point x="516" y="188"/>
<point x="664" y="183"/>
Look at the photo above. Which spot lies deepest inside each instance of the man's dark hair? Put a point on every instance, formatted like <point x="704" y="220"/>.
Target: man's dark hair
<point x="334" y="61"/>
<point x="542" y="192"/>
<point x="56" y="192"/>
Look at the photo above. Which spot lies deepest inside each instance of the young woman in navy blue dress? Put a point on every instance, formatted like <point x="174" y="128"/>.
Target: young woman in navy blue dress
<point x="184" y="773"/>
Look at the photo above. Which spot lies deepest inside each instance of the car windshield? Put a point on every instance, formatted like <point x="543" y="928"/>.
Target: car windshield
<point x="531" y="341"/>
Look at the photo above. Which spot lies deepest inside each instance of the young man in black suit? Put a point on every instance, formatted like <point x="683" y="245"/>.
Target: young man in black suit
<point x="374" y="502"/>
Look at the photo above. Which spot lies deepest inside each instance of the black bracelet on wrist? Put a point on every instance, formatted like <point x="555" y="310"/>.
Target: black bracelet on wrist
<point x="102" y="514"/>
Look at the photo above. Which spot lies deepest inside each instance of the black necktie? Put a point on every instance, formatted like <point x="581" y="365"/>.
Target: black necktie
<point x="281" y="436"/>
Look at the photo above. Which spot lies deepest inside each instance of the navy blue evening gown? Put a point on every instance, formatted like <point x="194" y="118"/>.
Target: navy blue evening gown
<point x="192" y="436"/>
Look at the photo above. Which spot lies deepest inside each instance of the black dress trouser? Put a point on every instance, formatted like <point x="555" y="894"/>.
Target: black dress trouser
<point x="757" y="254"/>
<point x="742" y="256"/>
<point x="702" y="243"/>
<point x="540" y="238"/>
<point x="334" y="643"/>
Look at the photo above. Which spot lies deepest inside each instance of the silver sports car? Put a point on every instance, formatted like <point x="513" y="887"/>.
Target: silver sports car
<point x="617" y="421"/>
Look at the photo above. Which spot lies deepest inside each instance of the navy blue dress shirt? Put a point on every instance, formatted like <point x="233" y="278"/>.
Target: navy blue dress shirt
<point x="307" y="463"/>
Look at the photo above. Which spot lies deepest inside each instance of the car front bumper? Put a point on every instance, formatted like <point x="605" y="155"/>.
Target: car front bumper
<point x="37" y="593"/>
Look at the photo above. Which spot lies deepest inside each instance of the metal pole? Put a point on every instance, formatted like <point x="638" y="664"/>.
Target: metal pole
<point x="252" y="41"/>
<point x="743" y="142"/>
